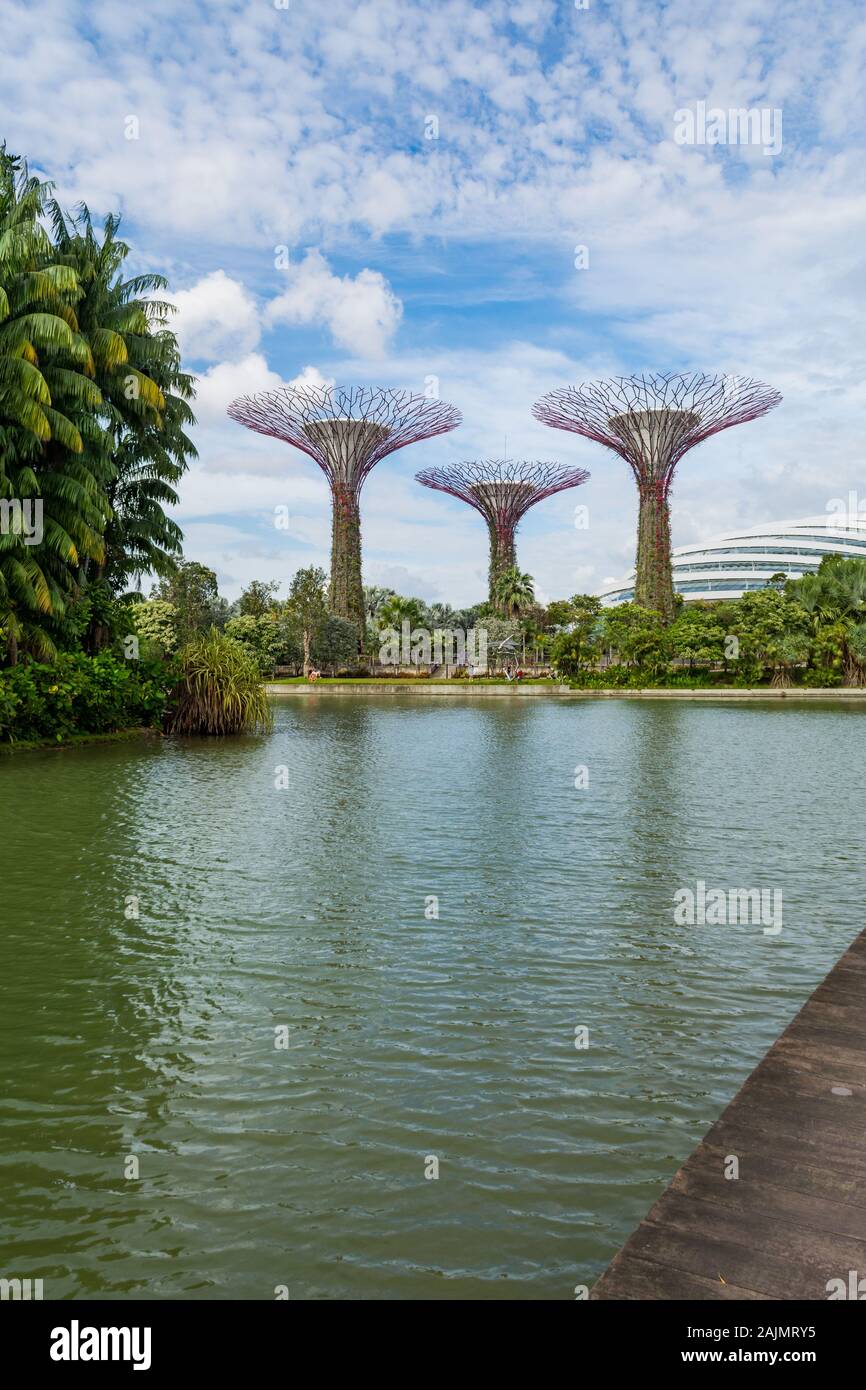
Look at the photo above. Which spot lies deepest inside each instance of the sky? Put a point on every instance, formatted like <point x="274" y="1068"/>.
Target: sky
<point x="499" y="198"/>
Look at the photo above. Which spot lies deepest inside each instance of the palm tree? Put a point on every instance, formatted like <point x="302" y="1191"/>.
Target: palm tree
<point x="37" y="325"/>
<point x="834" y="597"/>
<point x="374" y="597"/>
<point x="145" y="399"/>
<point x="442" y="616"/>
<point x="397" y="610"/>
<point x="94" y="409"/>
<point x="36" y="311"/>
<point x="514" y="592"/>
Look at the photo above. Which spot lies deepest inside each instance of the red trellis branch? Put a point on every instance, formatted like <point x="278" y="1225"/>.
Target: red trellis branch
<point x="502" y="490"/>
<point x="651" y="420"/>
<point x="346" y="431"/>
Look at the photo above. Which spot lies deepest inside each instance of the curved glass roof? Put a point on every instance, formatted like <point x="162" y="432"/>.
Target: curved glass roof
<point x="782" y="547"/>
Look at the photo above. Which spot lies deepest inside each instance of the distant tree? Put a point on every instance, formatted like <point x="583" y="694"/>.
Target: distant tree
<point x="468" y="618"/>
<point x="579" y="640"/>
<point x="442" y="616"/>
<point x="637" y="636"/>
<point x="770" y="625"/>
<point x="397" y="610"/>
<point x="268" y="637"/>
<point x="258" y="598"/>
<point x="374" y="597"/>
<point x="499" y="631"/>
<point x="192" y="589"/>
<point x="567" y="653"/>
<point x="558" y="613"/>
<point x="307" y="608"/>
<point x="336" y="643"/>
<point x="514" y="592"/>
<point x="156" y="621"/>
<point x="698" y="634"/>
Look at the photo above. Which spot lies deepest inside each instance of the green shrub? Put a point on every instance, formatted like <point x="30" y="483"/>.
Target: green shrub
<point x="219" y="690"/>
<point x="80" y="694"/>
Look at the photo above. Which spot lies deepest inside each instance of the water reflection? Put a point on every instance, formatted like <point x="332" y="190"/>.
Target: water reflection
<point x="410" y="1034"/>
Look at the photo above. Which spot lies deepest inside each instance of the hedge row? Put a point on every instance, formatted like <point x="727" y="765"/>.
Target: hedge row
<point x="81" y="694"/>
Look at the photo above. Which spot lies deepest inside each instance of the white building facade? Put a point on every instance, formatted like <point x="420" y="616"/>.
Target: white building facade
<point x="727" y="566"/>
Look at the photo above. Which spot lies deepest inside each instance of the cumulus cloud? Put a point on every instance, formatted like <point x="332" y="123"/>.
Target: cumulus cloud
<point x="553" y="127"/>
<point x="216" y="319"/>
<point x="361" y="312"/>
<point x="220" y="385"/>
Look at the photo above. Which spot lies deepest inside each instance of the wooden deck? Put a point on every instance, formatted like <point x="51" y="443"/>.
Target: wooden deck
<point x="795" y="1218"/>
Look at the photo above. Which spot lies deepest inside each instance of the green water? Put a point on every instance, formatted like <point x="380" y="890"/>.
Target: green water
<point x="410" y="1037"/>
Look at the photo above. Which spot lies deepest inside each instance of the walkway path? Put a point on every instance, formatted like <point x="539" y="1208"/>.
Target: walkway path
<point x="795" y="1218"/>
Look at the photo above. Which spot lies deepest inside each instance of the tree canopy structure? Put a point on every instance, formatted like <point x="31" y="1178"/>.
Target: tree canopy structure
<point x="651" y="421"/>
<point x="346" y="432"/>
<point x="502" y="490"/>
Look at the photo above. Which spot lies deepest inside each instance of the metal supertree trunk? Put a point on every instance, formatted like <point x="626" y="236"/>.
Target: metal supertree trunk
<point x="651" y="421"/>
<point x="346" y="432"/>
<point x="502" y="490"/>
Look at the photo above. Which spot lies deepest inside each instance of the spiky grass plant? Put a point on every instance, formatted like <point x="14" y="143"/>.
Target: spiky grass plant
<point x="220" y="690"/>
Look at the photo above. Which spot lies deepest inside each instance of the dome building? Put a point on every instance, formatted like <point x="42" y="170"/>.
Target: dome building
<point x="729" y="565"/>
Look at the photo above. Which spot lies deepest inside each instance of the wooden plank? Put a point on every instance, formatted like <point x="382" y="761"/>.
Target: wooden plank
<point x="795" y="1216"/>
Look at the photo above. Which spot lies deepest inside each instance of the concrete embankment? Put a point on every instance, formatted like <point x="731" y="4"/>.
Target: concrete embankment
<point x="552" y="690"/>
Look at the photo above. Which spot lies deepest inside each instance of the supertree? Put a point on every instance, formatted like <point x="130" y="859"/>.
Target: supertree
<point x="346" y="432"/>
<point x="651" y="421"/>
<point x="502" y="490"/>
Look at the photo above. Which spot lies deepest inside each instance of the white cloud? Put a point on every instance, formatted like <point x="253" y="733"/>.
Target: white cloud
<point x="220" y="385"/>
<point x="306" y="128"/>
<point x="217" y="318"/>
<point x="361" y="314"/>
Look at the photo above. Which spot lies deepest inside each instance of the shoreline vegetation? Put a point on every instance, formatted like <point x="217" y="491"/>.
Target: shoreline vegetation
<point x="186" y="661"/>
<point x="95" y="409"/>
<point x="376" y="686"/>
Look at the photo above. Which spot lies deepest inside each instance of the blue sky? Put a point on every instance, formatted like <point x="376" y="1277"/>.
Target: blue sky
<point x="305" y="125"/>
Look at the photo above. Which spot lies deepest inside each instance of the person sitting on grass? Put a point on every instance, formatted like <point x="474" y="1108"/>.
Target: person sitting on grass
<point x="314" y="674"/>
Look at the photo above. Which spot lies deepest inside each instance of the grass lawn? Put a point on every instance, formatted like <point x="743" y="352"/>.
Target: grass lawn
<point x="408" y="680"/>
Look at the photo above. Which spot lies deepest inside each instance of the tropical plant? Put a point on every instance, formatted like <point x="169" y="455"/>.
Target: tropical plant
<point x="258" y="598"/>
<point x="219" y="691"/>
<point x="156" y="621"/>
<point x="397" y="610"/>
<point x="93" y="412"/>
<point x="38" y="326"/>
<point x="513" y="592"/>
<point x="566" y="654"/>
<point x="834" y="601"/>
<point x="307" y="608"/>
<point x="336" y="643"/>
<point x="191" y="588"/>
<point x="80" y="694"/>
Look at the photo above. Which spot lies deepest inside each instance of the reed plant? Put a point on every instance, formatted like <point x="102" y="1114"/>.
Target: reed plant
<point x="220" y="690"/>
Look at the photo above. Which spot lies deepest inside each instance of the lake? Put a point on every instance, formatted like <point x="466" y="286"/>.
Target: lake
<point x="238" y="1041"/>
